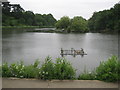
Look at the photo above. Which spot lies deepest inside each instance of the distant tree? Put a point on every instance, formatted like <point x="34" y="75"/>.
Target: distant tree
<point x="116" y="12"/>
<point x="6" y="8"/>
<point x="29" y="18"/>
<point x="106" y="20"/>
<point x="63" y="23"/>
<point x="38" y="20"/>
<point x="15" y="15"/>
<point x="51" y="20"/>
<point x="79" y="24"/>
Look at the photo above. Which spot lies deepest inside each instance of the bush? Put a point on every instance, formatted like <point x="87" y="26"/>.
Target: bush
<point x="109" y="70"/>
<point x="59" y="70"/>
<point x="63" y="69"/>
<point x="6" y="72"/>
<point x="47" y="69"/>
<point x="19" y="70"/>
<point x="87" y="76"/>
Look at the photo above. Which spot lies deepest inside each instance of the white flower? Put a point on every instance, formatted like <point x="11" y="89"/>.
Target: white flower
<point x="46" y="72"/>
<point x="89" y="72"/>
<point x="21" y="76"/>
<point x="16" y="67"/>
<point x="110" y="72"/>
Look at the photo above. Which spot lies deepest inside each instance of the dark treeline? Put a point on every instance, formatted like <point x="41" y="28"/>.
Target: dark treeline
<point x="106" y="20"/>
<point x="15" y="15"/>
<point x="102" y="21"/>
<point x="76" y="24"/>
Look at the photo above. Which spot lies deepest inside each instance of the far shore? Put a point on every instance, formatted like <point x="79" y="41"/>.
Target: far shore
<point x="32" y="29"/>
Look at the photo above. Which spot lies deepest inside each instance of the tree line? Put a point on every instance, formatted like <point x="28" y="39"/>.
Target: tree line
<point x="106" y="20"/>
<point x="102" y="21"/>
<point x="15" y="15"/>
<point x="76" y="24"/>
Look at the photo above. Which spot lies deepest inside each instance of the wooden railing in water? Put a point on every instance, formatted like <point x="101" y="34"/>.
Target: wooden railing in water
<point x="72" y="52"/>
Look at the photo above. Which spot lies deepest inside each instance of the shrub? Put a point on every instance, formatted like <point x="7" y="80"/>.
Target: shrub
<point x="31" y="72"/>
<point x="63" y="69"/>
<point x="19" y="70"/>
<point x="47" y="69"/>
<point x="109" y="70"/>
<point x="59" y="70"/>
<point x="6" y="72"/>
<point x="87" y="76"/>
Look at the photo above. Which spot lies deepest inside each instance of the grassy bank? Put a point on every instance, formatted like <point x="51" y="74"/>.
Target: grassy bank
<point x="62" y="69"/>
<point x="22" y="27"/>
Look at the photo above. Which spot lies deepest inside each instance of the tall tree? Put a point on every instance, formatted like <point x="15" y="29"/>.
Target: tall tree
<point x="79" y="24"/>
<point x="106" y="20"/>
<point x="63" y="23"/>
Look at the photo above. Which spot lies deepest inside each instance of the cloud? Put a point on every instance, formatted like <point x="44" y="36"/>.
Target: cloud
<point x="70" y="8"/>
<point x="3" y="0"/>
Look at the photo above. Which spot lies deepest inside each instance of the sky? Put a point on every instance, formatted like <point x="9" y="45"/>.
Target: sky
<point x="71" y="8"/>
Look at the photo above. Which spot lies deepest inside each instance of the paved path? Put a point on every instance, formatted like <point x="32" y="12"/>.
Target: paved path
<point x="35" y="83"/>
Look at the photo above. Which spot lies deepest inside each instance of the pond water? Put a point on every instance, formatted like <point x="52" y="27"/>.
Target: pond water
<point x="29" y="46"/>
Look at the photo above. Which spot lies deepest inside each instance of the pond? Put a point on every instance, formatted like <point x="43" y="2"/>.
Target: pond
<point x="29" y="46"/>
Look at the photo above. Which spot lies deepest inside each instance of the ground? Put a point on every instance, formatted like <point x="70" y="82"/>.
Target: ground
<point x="35" y="83"/>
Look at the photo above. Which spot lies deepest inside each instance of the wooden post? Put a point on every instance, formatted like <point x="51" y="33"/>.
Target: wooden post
<point x="72" y="50"/>
<point x="74" y="54"/>
<point x="61" y="52"/>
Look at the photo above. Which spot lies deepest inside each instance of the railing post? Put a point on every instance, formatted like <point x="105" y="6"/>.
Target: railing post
<point x="61" y="52"/>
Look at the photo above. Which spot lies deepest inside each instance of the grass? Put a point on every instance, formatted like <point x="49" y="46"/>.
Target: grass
<point x="20" y="27"/>
<point x="62" y="70"/>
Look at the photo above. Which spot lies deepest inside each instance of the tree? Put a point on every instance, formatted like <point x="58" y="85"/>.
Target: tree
<point x="6" y="8"/>
<point x="14" y="14"/>
<point x="106" y="20"/>
<point x="38" y="20"/>
<point x="63" y="23"/>
<point x="16" y="11"/>
<point x="79" y="24"/>
<point x="29" y="17"/>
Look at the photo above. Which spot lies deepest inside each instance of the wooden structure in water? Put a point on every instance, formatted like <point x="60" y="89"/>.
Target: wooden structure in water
<point x="72" y="52"/>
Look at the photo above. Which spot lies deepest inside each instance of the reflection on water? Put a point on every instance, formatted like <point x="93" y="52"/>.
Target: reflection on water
<point x="28" y="47"/>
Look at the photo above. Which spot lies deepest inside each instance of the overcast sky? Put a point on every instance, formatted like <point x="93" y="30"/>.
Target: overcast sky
<point x="71" y="8"/>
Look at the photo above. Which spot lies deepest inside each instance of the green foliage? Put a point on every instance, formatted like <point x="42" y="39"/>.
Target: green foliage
<point x="63" y="23"/>
<point x="109" y="70"/>
<point x="19" y="70"/>
<point x="47" y="69"/>
<point x="63" y="69"/>
<point x="106" y="20"/>
<point x="6" y="72"/>
<point x="87" y="75"/>
<point x="15" y="15"/>
<point x="59" y="70"/>
<point x="31" y="72"/>
<point x="79" y="24"/>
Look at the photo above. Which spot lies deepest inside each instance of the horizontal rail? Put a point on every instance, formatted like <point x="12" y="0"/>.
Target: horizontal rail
<point x="72" y="52"/>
